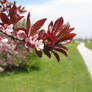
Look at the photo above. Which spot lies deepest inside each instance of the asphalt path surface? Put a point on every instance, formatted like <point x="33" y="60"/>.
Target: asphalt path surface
<point x="87" y="56"/>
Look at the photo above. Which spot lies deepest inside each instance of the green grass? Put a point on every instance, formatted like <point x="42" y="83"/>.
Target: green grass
<point x="70" y="75"/>
<point x="89" y="45"/>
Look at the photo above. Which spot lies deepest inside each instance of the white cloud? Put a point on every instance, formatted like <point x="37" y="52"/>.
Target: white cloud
<point x="77" y="12"/>
<point x="71" y="1"/>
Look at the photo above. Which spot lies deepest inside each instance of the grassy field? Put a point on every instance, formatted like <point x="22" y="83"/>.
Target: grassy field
<point x="89" y="45"/>
<point x="70" y="75"/>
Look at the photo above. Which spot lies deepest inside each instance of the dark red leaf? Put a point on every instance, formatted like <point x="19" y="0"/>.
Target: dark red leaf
<point x="61" y="46"/>
<point x="18" y="19"/>
<point x="13" y="13"/>
<point x="68" y="36"/>
<point x="28" y="22"/>
<point x="63" y="30"/>
<point x="21" y="9"/>
<point x="50" y="27"/>
<point x="57" y="24"/>
<point x="4" y="18"/>
<point x="71" y="29"/>
<point x="1" y="23"/>
<point x="51" y="37"/>
<point x="17" y="29"/>
<point x="37" y="26"/>
<point x="42" y="34"/>
<point x="14" y="17"/>
<point x="46" y="51"/>
<point x="39" y="53"/>
<point x="56" y="55"/>
<point x="60" y="50"/>
<point x="3" y="1"/>
<point x="49" y="48"/>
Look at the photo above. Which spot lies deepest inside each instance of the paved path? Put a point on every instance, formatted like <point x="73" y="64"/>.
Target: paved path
<point x="87" y="56"/>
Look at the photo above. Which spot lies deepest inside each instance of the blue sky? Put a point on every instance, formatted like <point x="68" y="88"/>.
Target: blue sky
<point x="31" y="1"/>
<point x="77" y="12"/>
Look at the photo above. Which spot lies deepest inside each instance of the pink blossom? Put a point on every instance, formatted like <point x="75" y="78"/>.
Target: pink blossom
<point x="29" y="49"/>
<point x="21" y="35"/>
<point x="3" y="41"/>
<point x="33" y="40"/>
<point x="39" y="44"/>
<point x="8" y="29"/>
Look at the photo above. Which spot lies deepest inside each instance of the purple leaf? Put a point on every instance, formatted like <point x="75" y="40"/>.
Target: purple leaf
<point x="37" y="26"/>
<point x="57" y="24"/>
<point x="4" y="18"/>
<point x="39" y="53"/>
<point x="61" y="46"/>
<point x="61" y="50"/>
<point x="56" y="55"/>
<point x="46" y="51"/>
<point x="28" y="22"/>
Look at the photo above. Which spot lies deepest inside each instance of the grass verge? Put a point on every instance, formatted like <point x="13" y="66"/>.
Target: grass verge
<point x="70" y="75"/>
<point x="89" y="45"/>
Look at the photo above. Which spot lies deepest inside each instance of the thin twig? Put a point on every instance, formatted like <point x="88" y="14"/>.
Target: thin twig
<point x="12" y="37"/>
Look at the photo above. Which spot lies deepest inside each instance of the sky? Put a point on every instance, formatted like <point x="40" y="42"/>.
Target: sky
<point x="77" y="12"/>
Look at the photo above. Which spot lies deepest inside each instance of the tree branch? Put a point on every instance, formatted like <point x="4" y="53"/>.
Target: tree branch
<point x="12" y="37"/>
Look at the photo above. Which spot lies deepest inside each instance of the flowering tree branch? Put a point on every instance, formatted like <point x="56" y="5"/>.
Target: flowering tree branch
<point x="51" y="41"/>
<point x="11" y="36"/>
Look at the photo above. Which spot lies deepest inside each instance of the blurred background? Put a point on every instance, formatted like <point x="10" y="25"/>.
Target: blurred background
<point x="77" y="12"/>
<point x="46" y="74"/>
